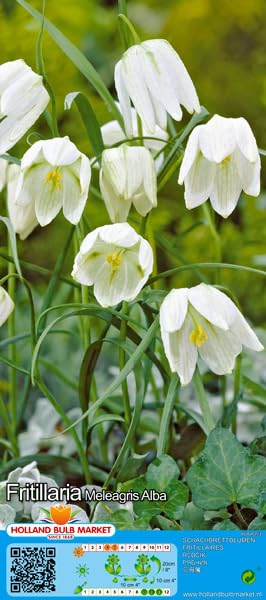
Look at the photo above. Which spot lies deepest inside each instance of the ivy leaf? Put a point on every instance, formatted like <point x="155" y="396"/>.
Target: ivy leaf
<point x="262" y="505"/>
<point x="193" y="518"/>
<point x="226" y="524"/>
<point x="123" y="519"/>
<point x="161" y="476"/>
<point x="257" y="524"/>
<point x="225" y="473"/>
<point x="162" y="472"/>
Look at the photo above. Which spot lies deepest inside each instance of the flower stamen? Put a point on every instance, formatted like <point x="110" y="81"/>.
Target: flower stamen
<point x="54" y="178"/>
<point x="198" y="336"/>
<point x="226" y="160"/>
<point x="114" y="259"/>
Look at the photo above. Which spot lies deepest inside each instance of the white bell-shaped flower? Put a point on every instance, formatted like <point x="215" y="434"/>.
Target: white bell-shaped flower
<point x="154" y="78"/>
<point x="22" y="476"/>
<point x="128" y="177"/>
<point x="116" y="260"/>
<point x="202" y="321"/>
<point x="3" y="173"/>
<point x="55" y="174"/>
<point x="23" y="98"/>
<point x="6" y="306"/>
<point x="221" y="159"/>
<point x="23" y="218"/>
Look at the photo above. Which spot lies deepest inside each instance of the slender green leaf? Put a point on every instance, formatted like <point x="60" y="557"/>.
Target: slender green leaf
<point x="78" y="59"/>
<point x="89" y="119"/>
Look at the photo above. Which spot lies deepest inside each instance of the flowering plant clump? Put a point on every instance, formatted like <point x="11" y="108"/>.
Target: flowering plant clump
<point x="131" y="353"/>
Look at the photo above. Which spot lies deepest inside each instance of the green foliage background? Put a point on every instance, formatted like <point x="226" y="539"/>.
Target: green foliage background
<point x="222" y="45"/>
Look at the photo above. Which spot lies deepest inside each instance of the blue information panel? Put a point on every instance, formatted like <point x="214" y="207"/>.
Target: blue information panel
<point x="177" y="564"/>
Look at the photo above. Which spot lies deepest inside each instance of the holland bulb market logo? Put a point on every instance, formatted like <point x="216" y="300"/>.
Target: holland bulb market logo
<point x="60" y="514"/>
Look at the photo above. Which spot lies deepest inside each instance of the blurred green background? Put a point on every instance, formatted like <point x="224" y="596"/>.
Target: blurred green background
<point x="223" y="46"/>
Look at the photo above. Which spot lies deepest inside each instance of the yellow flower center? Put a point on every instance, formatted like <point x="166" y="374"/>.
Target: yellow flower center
<point x="114" y="259"/>
<point x="226" y="160"/>
<point x="54" y="178"/>
<point x="198" y="336"/>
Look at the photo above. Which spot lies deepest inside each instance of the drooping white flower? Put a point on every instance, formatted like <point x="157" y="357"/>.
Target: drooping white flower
<point x="55" y="174"/>
<point x="154" y="78"/>
<point x="112" y="133"/>
<point x="221" y="159"/>
<point x="28" y="474"/>
<point x="116" y="260"/>
<point x="6" y="306"/>
<point x="128" y="177"/>
<point x="23" y="98"/>
<point x="203" y="321"/>
<point x="3" y="173"/>
<point x="45" y="422"/>
<point x="23" y="218"/>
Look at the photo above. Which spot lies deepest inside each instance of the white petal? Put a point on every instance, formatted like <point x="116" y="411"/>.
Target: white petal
<point x="227" y="187"/>
<point x="244" y="333"/>
<point x="3" y="173"/>
<point x="84" y="173"/>
<point x="181" y="353"/>
<point x="217" y="138"/>
<point x="117" y="205"/>
<point x="10" y="71"/>
<point x="6" y="306"/>
<point x="249" y="173"/>
<point x="199" y="182"/>
<point x="220" y="350"/>
<point x="174" y="309"/>
<point x="190" y="155"/>
<point x="33" y="155"/>
<point x="145" y="257"/>
<point x="245" y="139"/>
<point x="60" y="151"/>
<point x="125" y="284"/>
<point x="160" y="76"/>
<point x="23" y="218"/>
<point x="134" y="79"/>
<point x="48" y="202"/>
<point x="213" y="304"/>
<point x="114" y="168"/>
<point x="112" y="133"/>
<point x="73" y="199"/>
<point x="119" y="234"/>
<point x="87" y="266"/>
<point x="124" y="98"/>
<point x="173" y="76"/>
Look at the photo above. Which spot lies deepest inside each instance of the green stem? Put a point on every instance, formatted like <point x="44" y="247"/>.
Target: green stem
<point x="131" y="431"/>
<point x="86" y="334"/>
<point x="134" y="35"/>
<point x="214" y="233"/>
<point x="204" y="405"/>
<point x="143" y="224"/>
<point x="12" y="349"/>
<point x="211" y="265"/>
<point x="9" y="430"/>
<point x="237" y="384"/>
<point x="167" y="414"/>
<point x="240" y="516"/>
<point x="122" y="362"/>
<point x="82" y="455"/>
